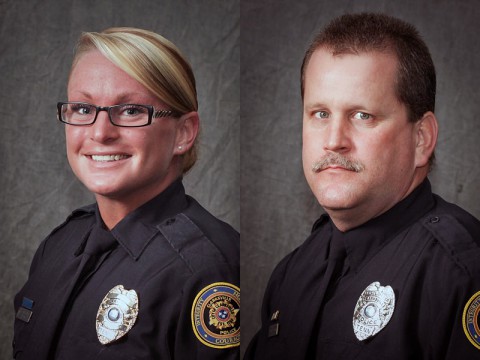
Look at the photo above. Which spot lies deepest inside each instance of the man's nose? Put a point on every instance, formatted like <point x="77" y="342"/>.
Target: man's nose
<point x="338" y="135"/>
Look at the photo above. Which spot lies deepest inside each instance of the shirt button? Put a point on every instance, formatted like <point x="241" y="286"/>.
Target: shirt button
<point x="434" y="219"/>
<point x="170" y="221"/>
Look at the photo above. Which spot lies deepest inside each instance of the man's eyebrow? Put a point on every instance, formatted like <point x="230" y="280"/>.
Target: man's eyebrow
<point x="314" y="105"/>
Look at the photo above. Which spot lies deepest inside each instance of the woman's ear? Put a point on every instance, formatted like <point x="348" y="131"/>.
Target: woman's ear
<point x="426" y="131"/>
<point x="187" y="131"/>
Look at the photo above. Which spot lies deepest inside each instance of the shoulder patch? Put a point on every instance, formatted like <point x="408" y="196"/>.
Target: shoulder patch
<point x="471" y="320"/>
<point x="216" y="315"/>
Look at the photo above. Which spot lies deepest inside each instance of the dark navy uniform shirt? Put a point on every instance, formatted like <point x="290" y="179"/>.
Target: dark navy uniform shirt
<point x="176" y="257"/>
<point x="424" y="248"/>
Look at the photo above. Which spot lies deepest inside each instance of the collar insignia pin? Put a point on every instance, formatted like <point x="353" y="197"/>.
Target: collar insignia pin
<point x="373" y="311"/>
<point x="117" y="314"/>
<point x="26" y="310"/>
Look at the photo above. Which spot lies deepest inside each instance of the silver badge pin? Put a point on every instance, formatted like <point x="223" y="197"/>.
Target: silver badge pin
<point x="117" y="314"/>
<point x="373" y="311"/>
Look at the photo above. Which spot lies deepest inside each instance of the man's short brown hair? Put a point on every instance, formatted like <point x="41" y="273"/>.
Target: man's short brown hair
<point x="366" y="32"/>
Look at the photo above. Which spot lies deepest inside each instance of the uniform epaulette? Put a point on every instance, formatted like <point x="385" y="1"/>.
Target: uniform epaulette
<point x="76" y="214"/>
<point x="460" y="239"/>
<point x="85" y="210"/>
<point x="190" y="243"/>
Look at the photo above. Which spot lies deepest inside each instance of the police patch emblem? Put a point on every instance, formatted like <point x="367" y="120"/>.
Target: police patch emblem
<point x="373" y="311"/>
<point x="216" y="315"/>
<point x="117" y="314"/>
<point x="471" y="320"/>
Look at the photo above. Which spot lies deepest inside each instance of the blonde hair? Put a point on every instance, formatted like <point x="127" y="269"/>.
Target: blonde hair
<point x="154" y="62"/>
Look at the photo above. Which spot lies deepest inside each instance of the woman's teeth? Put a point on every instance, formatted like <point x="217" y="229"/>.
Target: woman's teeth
<point x="108" y="157"/>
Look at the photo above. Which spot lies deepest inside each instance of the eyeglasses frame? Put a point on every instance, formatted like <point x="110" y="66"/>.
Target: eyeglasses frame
<point x="152" y="113"/>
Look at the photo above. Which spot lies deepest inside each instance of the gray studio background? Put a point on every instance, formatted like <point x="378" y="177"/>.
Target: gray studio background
<point x="277" y="208"/>
<point x="37" y="189"/>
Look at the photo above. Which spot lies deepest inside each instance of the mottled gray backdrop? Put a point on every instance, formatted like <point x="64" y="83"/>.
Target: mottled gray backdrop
<point x="277" y="208"/>
<point x="37" y="189"/>
<point x="267" y="187"/>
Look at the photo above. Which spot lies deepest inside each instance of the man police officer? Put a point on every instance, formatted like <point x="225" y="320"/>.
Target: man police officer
<point x="392" y="271"/>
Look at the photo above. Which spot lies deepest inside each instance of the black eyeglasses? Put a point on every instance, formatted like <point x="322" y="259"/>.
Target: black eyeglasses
<point x="125" y="115"/>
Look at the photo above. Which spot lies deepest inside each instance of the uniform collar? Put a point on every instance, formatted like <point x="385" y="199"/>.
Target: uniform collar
<point x="138" y="228"/>
<point x="363" y="242"/>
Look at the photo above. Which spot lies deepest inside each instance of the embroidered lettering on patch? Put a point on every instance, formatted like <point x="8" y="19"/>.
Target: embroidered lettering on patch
<point x="471" y="320"/>
<point x="216" y="315"/>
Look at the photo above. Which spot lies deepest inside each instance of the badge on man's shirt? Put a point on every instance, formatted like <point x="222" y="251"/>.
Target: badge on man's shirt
<point x="373" y="311"/>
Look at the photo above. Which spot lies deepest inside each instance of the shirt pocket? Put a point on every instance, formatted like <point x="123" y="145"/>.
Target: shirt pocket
<point x="79" y="348"/>
<point x="21" y="337"/>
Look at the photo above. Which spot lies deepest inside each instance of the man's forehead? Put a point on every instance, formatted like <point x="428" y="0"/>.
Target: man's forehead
<point x="340" y="53"/>
<point x="323" y="60"/>
<point x="365" y="80"/>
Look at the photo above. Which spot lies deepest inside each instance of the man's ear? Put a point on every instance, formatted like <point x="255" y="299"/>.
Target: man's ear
<point x="426" y="132"/>
<point x="187" y="131"/>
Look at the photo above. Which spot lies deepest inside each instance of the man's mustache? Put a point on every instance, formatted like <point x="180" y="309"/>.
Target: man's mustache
<point x="337" y="160"/>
